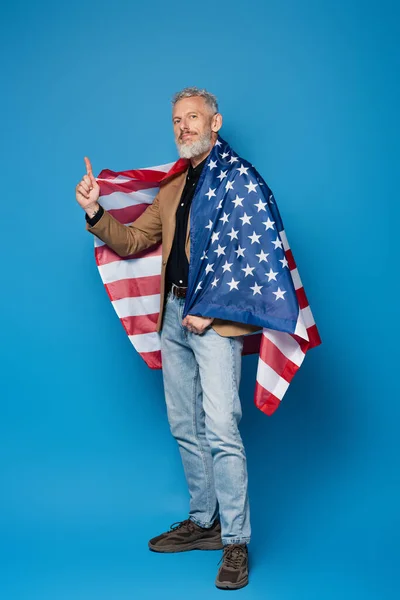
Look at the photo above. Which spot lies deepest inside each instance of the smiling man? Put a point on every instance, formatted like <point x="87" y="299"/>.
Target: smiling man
<point x="201" y="356"/>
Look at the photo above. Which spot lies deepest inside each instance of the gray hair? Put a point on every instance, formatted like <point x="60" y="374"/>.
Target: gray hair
<point x="189" y="92"/>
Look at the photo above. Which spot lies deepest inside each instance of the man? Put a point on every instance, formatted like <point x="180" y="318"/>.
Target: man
<point x="201" y="356"/>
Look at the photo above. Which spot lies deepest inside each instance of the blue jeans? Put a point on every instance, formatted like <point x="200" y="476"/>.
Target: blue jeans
<point x="201" y="381"/>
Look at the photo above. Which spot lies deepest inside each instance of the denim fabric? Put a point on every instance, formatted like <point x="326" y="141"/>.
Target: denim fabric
<point x="201" y="381"/>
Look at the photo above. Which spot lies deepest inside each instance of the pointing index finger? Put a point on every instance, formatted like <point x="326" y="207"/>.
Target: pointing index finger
<point x="88" y="166"/>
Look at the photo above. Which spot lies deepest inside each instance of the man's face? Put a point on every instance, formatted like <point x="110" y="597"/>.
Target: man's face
<point x="192" y="121"/>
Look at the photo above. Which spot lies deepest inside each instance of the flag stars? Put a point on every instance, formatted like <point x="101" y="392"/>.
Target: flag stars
<point x="198" y="287"/>
<point x="271" y="275"/>
<point x="254" y="238"/>
<point x="238" y="201"/>
<point x="212" y="165"/>
<point x="224" y="155"/>
<point x="204" y="255"/>
<point x="279" y="294"/>
<point x="210" y="224"/>
<point x="214" y="282"/>
<point x="218" y="143"/>
<point x="277" y="243"/>
<point x="233" y="284"/>
<point x="261" y="205"/>
<point x="219" y="204"/>
<point x="229" y="185"/>
<point x="220" y="250"/>
<point x="215" y="237"/>
<point x="227" y="266"/>
<point x="222" y="175"/>
<point x="245" y="219"/>
<point x="284" y="262"/>
<point x="251" y="187"/>
<point x="268" y="224"/>
<point x="240" y="251"/>
<point x="233" y="159"/>
<point x="262" y="256"/>
<point x="233" y="234"/>
<point x="209" y="268"/>
<point x="256" y="289"/>
<point x="243" y="170"/>
<point x="248" y="270"/>
<point x="210" y="193"/>
<point x="225" y="217"/>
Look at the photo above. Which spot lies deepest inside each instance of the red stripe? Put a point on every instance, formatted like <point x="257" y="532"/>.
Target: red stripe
<point x="152" y="359"/>
<point x="133" y="288"/>
<point x="126" y="187"/>
<point x="128" y="214"/>
<point x="275" y="359"/>
<point x="141" y="179"/>
<point x="314" y="336"/>
<point x="290" y="259"/>
<point x="104" y="254"/>
<point x="264" y="400"/>
<point x="302" y="298"/>
<point x="140" y="324"/>
<point x="151" y="175"/>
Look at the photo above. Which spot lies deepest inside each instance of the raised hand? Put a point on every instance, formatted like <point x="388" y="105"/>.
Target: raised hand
<point x="88" y="190"/>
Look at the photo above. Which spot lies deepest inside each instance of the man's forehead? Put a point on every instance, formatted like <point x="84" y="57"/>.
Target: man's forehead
<point x="187" y="104"/>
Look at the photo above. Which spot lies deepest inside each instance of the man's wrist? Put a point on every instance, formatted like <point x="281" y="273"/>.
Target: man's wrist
<point x="92" y="209"/>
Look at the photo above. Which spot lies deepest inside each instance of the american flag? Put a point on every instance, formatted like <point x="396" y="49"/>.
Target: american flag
<point x="241" y="266"/>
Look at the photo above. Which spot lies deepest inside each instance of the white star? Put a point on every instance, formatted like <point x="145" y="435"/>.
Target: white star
<point x="212" y="165"/>
<point x="229" y="185"/>
<point x="243" y="170"/>
<point x="233" y="284"/>
<point x="214" y="282"/>
<point x="271" y="275"/>
<point x="233" y="159"/>
<point x="219" y="204"/>
<point x="251" y="187"/>
<point x="214" y="237"/>
<point x="277" y="243"/>
<point x="245" y="219"/>
<point x="284" y="262"/>
<point x="220" y="250"/>
<point x="279" y="294"/>
<point x="256" y="289"/>
<point x="238" y="201"/>
<point x="268" y="224"/>
<point x="254" y="238"/>
<point x="227" y="266"/>
<point x="209" y="268"/>
<point x="204" y="255"/>
<point x="240" y="251"/>
<point x="261" y="206"/>
<point x="262" y="256"/>
<point x="224" y="218"/>
<point x="248" y="270"/>
<point x="222" y="175"/>
<point x="198" y="287"/>
<point x="210" y="223"/>
<point x="270" y="198"/>
<point x="218" y="143"/>
<point x="210" y="193"/>
<point x="233" y="234"/>
<point x="224" y="154"/>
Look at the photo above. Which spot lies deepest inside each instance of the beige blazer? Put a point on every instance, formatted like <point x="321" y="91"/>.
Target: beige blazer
<point x="157" y="223"/>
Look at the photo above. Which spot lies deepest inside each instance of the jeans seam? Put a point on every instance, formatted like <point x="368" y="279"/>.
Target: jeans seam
<point x="195" y="431"/>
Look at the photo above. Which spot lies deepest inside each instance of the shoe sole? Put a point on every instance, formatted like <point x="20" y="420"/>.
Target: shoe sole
<point x="232" y="586"/>
<point x="193" y="546"/>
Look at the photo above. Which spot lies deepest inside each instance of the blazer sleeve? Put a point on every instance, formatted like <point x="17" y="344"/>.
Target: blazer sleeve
<point x="144" y="232"/>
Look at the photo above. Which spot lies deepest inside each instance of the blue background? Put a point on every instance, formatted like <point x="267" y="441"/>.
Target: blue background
<point x="309" y="92"/>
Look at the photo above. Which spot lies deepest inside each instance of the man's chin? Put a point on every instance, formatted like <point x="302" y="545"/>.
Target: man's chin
<point x="193" y="149"/>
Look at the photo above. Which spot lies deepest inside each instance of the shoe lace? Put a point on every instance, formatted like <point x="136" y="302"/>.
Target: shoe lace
<point x="233" y="555"/>
<point x="187" y="523"/>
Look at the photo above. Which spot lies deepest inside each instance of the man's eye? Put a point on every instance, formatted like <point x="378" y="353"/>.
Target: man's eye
<point x="193" y="116"/>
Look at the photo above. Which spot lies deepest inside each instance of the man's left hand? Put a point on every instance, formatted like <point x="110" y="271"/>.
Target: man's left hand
<point x="197" y="324"/>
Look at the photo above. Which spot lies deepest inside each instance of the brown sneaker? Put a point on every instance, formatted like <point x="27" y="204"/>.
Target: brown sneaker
<point x="187" y="535"/>
<point x="234" y="571"/>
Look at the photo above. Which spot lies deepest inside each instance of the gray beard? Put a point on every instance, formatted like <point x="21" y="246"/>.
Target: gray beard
<point x="195" y="148"/>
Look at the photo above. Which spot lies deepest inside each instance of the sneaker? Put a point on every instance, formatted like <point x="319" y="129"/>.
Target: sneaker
<point x="234" y="571"/>
<point x="187" y="535"/>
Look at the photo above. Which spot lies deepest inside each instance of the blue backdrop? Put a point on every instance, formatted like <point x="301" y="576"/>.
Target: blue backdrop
<point x="309" y="92"/>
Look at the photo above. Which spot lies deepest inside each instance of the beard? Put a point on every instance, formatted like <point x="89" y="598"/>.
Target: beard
<point x="192" y="149"/>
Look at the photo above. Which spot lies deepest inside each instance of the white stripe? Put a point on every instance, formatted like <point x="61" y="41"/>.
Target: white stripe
<point x="270" y="380"/>
<point x="307" y="315"/>
<point x="284" y="240"/>
<point x="124" y="200"/>
<point x="296" y="279"/>
<point x="142" y="305"/>
<point x="286" y="344"/>
<point x="163" y="168"/>
<point x="130" y="268"/>
<point x="146" y="342"/>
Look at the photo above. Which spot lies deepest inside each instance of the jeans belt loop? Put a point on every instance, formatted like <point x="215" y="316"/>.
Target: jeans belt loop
<point x="178" y="292"/>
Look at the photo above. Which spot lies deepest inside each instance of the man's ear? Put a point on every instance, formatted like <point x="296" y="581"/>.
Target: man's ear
<point x="216" y="122"/>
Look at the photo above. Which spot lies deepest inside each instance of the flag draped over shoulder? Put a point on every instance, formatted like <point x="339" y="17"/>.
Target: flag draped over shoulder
<point x="241" y="266"/>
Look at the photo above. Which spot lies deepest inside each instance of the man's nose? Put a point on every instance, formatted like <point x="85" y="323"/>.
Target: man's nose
<point x="183" y="125"/>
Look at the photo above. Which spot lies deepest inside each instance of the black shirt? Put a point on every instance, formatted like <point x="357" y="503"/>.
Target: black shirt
<point x="177" y="269"/>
